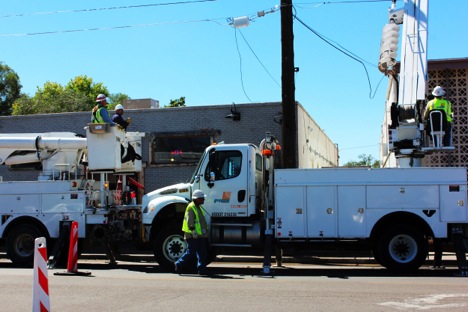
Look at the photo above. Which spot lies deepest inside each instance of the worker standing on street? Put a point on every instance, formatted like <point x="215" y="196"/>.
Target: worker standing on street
<point x="100" y="113"/>
<point x="195" y="231"/>
<point x="439" y="103"/>
<point x="118" y="119"/>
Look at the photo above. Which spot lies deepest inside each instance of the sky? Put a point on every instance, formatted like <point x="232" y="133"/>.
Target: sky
<point x="172" y="48"/>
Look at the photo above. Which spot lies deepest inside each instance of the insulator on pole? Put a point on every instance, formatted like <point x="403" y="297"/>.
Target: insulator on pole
<point x="240" y="22"/>
<point x="388" y="47"/>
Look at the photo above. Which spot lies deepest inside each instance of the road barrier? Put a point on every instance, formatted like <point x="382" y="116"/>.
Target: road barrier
<point x="72" y="265"/>
<point x="41" y="302"/>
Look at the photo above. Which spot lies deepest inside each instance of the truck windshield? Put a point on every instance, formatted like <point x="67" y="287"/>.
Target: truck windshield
<point x="197" y="170"/>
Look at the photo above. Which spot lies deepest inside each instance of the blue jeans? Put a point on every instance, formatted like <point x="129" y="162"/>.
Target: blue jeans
<point x="195" y="246"/>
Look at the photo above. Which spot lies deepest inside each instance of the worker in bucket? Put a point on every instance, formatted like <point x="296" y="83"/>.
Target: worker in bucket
<point x="195" y="231"/>
<point x="439" y="103"/>
<point x="118" y="119"/>
<point x="100" y="113"/>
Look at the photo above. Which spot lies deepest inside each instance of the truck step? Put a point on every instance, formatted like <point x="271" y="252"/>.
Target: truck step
<point x="232" y="224"/>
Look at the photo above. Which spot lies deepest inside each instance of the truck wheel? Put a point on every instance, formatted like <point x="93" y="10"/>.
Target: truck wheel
<point x="402" y="249"/>
<point x="20" y="244"/>
<point x="169" y="245"/>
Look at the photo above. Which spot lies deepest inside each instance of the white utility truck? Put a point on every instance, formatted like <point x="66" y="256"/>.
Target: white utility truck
<point x="73" y="186"/>
<point x="395" y="212"/>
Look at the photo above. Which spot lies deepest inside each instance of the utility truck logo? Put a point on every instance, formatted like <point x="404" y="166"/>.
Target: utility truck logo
<point x="225" y="198"/>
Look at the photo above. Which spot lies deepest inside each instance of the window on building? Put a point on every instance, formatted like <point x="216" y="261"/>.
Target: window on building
<point x="178" y="149"/>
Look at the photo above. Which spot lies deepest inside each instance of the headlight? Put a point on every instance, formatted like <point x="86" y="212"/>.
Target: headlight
<point x="148" y="208"/>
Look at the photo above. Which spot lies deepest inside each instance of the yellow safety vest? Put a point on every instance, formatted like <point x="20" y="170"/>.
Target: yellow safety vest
<point x="97" y="114"/>
<point x="185" y="226"/>
<point x="442" y="105"/>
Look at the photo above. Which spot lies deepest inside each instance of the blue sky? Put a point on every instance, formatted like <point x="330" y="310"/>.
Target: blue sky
<point x="163" y="50"/>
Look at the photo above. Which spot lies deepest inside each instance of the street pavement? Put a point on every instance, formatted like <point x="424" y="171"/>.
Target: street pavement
<point x="136" y="283"/>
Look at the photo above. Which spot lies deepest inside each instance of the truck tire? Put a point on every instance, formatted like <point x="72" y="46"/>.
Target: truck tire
<point x="20" y="244"/>
<point x="169" y="245"/>
<point x="402" y="249"/>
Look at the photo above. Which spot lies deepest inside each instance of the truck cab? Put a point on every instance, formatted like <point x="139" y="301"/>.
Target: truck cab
<point x="231" y="177"/>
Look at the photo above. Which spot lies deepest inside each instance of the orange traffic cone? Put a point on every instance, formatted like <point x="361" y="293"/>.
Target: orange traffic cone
<point x="72" y="266"/>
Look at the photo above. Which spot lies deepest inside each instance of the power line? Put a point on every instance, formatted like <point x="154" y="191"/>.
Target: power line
<point x="258" y="59"/>
<point x="107" y="9"/>
<point x="240" y="66"/>
<point x="340" y="2"/>
<point x="342" y="50"/>
<point x="357" y="147"/>
<point x="103" y="28"/>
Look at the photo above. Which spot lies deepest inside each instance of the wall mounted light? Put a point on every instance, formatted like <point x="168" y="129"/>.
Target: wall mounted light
<point x="234" y="115"/>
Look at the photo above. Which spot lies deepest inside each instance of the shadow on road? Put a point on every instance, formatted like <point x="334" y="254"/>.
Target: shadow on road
<point x="228" y="267"/>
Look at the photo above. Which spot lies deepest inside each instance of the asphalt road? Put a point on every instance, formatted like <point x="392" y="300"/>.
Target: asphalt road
<point x="136" y="283"/>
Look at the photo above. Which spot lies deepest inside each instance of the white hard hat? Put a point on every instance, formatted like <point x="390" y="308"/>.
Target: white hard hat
<point x="101" y="97"/>
<point x="119" y="106"/>
<point x="198" y="194"/>
<point x="438" y="91"/>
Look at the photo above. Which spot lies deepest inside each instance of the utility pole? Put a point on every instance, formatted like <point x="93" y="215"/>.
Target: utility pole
<point x="289" y="119"/>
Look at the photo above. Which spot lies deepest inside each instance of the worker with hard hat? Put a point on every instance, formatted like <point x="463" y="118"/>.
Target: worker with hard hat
<point x="118" y="119"/>
<point x="439" y="103"/>
<point x="195" y="231"/>
<point x="100" y="113"/>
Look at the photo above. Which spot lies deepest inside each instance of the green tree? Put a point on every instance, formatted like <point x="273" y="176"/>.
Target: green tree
<point x="77" y="96"/>
<point x="116" y="98"/>
<point x="10" y="89"/>
<point x="84" y="85"/>
<point x="364" y="161"/>
<point x="177" y="103"/>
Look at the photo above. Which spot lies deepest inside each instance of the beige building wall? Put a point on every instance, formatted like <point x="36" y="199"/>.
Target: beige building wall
<point x="315" y="149"/>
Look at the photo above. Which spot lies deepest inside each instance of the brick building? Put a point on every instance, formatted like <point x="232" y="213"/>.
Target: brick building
<point x="452" y="76"/>
<point x="176" y="137"/>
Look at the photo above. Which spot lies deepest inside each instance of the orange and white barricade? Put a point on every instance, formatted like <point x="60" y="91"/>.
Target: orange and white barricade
<point x="72" y="265"/>
<point x="41" y="302"/>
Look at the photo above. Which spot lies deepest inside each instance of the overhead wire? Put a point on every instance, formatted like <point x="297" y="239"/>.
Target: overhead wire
<point x="340" y="49"/>
<point x="240" y="66"/>
<point x="258" y="59"/>
<point x="357" y="147"/>
<point x="108" y="8"/>
<point x="103" y="28"/>
<point x="338" y="2"/>
<point x="325" y="39"/>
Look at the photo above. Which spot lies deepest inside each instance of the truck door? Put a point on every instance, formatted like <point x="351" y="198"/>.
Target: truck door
<point x="225" y="184"/>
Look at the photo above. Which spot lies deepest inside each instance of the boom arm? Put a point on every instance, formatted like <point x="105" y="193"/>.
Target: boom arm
<point x="406" y="94"/>
<point x="52" y="150"/>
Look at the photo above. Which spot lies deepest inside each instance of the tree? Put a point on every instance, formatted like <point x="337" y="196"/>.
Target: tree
<point x="177" y="103"/>
<point x="10" y="89"/>
<point x="84" y="85"/>
<point x="116" y="98"/>
<point x="77" y="96"/>
<point x="365" y="161"/>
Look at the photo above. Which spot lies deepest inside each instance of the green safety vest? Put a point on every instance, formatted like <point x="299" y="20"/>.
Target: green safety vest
<point x="97" y="114"/>
<point x="442" y="105"/>
<point x="185" y="226"/>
